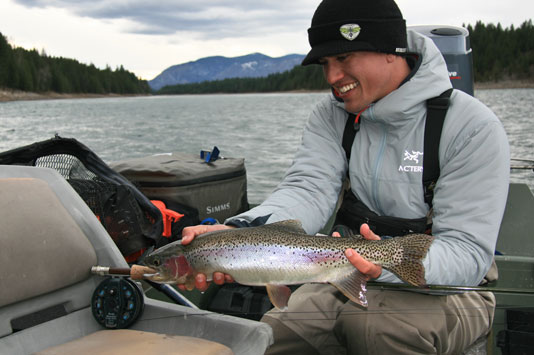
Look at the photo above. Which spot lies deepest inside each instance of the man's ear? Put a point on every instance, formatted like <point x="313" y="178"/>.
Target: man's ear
<point x="390" y="58"/>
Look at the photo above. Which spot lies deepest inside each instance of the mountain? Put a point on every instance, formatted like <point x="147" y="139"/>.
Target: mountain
<point x="218" y="68"/>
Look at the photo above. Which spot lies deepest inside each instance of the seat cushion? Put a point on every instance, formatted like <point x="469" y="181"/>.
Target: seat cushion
<point x="43" y="248"/>
<point x="131" y="342"/>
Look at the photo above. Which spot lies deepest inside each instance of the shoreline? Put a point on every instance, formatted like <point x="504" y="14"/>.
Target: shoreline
<point x="505" y="84"/>
<point x="7" y="95"/>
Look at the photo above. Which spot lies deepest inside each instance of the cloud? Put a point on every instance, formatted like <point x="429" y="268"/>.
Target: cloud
<point x="201" y="18"/>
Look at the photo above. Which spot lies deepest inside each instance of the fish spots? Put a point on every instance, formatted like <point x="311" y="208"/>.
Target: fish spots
<point x="328" y="258"/>
<point x="270" y="254"/>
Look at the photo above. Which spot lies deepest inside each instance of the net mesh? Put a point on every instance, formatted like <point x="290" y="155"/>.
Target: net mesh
<point x="114" y="205"/>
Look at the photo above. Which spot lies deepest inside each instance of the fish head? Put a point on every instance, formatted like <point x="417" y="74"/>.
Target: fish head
<point x="170" y="263"/>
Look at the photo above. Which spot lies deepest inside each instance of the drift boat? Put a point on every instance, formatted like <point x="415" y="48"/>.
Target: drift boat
<point x="51" y="303"/>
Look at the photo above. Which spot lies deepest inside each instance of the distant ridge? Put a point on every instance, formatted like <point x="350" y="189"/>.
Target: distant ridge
<point x="217" y="68"/>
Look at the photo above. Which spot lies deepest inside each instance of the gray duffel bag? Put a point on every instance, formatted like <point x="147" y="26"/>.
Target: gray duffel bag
<point x="217" y="189"/>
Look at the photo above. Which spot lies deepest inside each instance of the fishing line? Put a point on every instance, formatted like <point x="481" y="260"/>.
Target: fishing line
<point x="523" y="160"/>
<point x="446" y="290"/>
<point x="295" y="316"/>
<point x="530" y="163"/>
<point x="449" y="289"/>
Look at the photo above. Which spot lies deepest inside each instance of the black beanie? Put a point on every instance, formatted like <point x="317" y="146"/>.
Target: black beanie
<point x="342" y="26"/>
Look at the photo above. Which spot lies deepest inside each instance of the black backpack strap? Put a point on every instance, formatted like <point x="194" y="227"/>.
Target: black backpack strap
<point x="436" y="111"/>
<point x="348" y="135"/>
<point x="352" y="126"/>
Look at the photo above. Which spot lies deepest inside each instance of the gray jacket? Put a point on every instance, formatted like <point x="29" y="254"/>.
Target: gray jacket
<point x="386" y="170"/>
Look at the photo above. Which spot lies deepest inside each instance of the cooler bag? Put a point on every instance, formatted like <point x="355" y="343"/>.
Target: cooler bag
<point x="216" y="189"/>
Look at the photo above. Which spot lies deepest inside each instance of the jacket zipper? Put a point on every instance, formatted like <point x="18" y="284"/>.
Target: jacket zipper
<point x="378" y="164"/>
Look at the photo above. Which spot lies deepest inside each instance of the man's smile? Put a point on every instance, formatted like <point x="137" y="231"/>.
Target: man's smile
<point x="346" y="88"/>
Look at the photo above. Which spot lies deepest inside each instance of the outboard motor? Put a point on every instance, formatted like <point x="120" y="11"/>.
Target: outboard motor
<point x="454" y="44"/>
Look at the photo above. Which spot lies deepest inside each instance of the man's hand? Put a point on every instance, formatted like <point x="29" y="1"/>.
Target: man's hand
<point x="372" y="271"/>
<point x="188" y="234"/>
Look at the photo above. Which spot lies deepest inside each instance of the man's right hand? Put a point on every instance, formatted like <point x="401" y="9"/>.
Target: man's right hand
<point x="369" y="269"/>
<point x="188" y="234"/>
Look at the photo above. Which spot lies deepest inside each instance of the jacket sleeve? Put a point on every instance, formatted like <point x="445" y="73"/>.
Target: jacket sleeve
<point x="470" y="195"/>
<point x="311" y="186"/>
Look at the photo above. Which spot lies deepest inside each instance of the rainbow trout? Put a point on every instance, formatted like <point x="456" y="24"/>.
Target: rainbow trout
<point x="280" y="254"/>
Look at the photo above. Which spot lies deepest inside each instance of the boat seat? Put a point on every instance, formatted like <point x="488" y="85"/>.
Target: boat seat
<point x="50" y="241"/>
<point x="517" y="223"/>
<point x="133" y="342"/>
<point x="43" y="249"/>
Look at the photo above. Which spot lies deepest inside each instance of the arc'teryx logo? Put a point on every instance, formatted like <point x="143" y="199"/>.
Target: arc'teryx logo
<point x="413" y="156"/>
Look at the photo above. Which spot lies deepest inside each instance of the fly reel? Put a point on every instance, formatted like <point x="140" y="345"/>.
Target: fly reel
<point x="117" y="303"/>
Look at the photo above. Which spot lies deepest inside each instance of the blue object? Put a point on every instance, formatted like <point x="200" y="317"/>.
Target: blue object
<point x="210" y="221"/>
<point x="208" y="156"/>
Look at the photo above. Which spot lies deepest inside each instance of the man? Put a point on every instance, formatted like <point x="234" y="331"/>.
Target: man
<point x="384" y="76"/>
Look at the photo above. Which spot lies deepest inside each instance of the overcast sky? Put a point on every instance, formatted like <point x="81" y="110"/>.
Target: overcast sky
<point x="147" y="36"/>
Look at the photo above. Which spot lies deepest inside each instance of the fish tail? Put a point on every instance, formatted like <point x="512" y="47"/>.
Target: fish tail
<point x="410" y="267"/>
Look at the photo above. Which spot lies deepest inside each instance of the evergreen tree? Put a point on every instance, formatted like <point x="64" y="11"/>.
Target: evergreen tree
<point x="501" y="54"/>
<point x="5" y="60"/>
<point x="29" y="70"/>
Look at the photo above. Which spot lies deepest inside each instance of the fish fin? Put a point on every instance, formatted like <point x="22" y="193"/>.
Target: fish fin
<point x="293" y="225"/>
<point x="279" y="295"/>
<point x="414" y="249"/>
<point x="354" y="286"/>
<point x="190" y="283"/>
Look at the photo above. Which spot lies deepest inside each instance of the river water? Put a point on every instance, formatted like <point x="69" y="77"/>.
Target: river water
<point x="264" y="129"/>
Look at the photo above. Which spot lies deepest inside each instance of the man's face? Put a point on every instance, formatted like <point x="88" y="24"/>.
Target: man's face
<point x="360" y="78"/>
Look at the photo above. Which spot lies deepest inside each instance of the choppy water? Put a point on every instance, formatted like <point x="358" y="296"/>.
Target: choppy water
<point x="265" y="129"/>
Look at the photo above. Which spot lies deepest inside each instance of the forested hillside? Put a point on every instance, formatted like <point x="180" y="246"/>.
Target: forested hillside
<point x="27" y="70"/>
<point x="299" y="78"/>
<point x="498" y="54"/>
<point x="502" y="54"/>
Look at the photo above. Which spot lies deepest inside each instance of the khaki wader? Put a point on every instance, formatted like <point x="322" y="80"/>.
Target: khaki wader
<point x="320" y="320"/>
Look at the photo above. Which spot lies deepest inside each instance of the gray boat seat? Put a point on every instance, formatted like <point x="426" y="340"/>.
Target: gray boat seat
<point x="515" y="234"/>
<point x="135" y="342"/>
<point x="43" y="249"/>
<point x="46" y="254"/>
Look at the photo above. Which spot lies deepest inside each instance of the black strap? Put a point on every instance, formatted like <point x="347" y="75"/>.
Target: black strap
<point x="353" y="213"/>
<point x="436" y="111"/>
<point x="349" y="133"/>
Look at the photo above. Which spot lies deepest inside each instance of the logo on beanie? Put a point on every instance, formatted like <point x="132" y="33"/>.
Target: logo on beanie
<point x="350" y="31"/>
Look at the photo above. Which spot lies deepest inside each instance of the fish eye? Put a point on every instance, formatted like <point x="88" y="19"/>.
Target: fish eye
<point x="156" y="262"/>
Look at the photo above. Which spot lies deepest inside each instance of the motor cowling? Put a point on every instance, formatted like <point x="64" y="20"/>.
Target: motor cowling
<point x="454" y="44"/>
